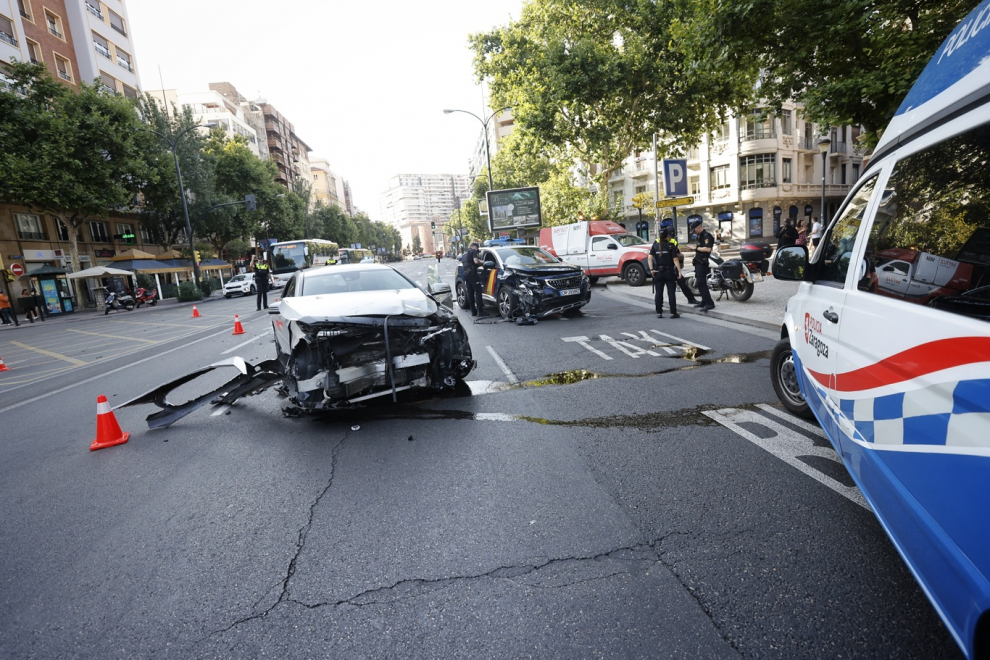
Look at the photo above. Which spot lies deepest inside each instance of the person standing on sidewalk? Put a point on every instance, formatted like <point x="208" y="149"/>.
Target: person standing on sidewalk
<point x="472" y="282"/>
<point x="816" y="233"/>
<point x="666" y="271"/>
<point x="787" y="235"/>
<point x="681" y="282"/>
<point x="262" y="279"/>
<point x="702" y="253"/>
<point x="5" y="312"/>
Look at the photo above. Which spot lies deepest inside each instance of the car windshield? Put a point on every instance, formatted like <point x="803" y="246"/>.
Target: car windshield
<point x="237" y="278"/>
<point x="525" y="256"/>
<point x="627" y="240"/>
<point x="354" y="280"/>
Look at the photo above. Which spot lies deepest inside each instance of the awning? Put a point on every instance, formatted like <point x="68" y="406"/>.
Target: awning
<point x="133" y="253"/>
<point x="214" y="264"/>
<point x="147" y="266"/>
<point x="99" y="271"/>
<point x="47" y="270"/>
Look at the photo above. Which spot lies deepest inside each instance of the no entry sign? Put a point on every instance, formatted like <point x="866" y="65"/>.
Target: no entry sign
<point x="17" y="269"/>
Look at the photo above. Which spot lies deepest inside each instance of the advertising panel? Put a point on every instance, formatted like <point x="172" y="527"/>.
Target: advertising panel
<point x="517" y="208"/>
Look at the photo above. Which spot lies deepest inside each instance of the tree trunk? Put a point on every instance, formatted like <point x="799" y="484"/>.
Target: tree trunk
<point x="72" y="227"/>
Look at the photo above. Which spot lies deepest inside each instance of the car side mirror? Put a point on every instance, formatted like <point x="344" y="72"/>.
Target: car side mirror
<point x="489" y="264"/>
<point x="439" y="288"/>
<point x="791" y="263"/>
<point x="613" y="246"/>
<point x="273" y="308"/>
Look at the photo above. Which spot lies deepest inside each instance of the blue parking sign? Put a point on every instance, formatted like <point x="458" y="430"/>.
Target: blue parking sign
<point x="675" y="181"/>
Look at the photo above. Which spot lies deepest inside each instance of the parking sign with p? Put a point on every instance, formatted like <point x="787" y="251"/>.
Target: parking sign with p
<point x="675" y="177"/>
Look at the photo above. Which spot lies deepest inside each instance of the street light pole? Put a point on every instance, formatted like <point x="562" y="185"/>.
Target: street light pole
<point x="173" y="143"/>
<point x="823" y="145"/>
<point x="484" y="124"/>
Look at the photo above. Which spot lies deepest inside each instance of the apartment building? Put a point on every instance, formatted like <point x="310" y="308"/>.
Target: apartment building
<point x="328" y="188"/>
<point x="498" y="129"/>
<point x="75" y="39"/>
<point x="413" y="203"/>
<point x="752" y="173"/>
<point x="211" y="110"/>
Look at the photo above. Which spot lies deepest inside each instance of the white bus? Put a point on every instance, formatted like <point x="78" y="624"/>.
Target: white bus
<point x="289" y="256"/>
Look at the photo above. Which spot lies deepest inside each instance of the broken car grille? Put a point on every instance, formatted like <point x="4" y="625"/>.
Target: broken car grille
<point x="566" y="282"/>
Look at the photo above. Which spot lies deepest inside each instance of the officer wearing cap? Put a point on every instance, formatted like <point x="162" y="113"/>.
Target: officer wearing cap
<point x="472" y="259"/>
<point x="702" y="253"/>
<point x="666" y="270"/>
<point x="668" y="224"/>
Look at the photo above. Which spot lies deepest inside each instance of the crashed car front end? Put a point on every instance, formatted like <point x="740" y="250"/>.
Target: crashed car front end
<point x="548" y="291"/>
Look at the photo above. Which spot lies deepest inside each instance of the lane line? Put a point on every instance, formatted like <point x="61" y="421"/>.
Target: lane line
<point x="681" y="341"/>
<point x="156" y="356"/>
<point x="791" y="419"/>
<point x="245" y="343"/>
<point x="503" y="366"/>
<point x="100" y="334"/>
<point x="78" y="363"/>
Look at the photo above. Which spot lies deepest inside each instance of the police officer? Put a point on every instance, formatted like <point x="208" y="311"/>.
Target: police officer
<point x="262" y="278"/>
<point x="668" y="224"/>
<point x="471" y="280"/>
<point x="702" y="253"/>
<point x="666" y="271"/>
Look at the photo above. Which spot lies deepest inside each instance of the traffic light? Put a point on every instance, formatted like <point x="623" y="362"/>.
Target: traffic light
<point x="196" y="256"/>
<point x="433" y="225"/>
<point x="252" y="202"/>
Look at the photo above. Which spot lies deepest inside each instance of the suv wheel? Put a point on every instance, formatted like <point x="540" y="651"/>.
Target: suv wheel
<point x="783" y="375"/>
<point x="506" y="303"/>
<point x="462" y="299"/>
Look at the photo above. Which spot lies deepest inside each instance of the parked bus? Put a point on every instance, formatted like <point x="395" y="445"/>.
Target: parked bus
<point x="289" y="256"/>
<point x="356" y="256"/>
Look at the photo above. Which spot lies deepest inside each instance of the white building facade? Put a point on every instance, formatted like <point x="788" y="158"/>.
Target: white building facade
<point x="328" y="187"/>
<point x="420" y="204"/>
<point x="211" y="110"/>
<point x="498" y="129"/>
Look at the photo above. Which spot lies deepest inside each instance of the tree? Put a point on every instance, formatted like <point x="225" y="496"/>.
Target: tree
<point x="600" y="77"/>
<point x="74" y="154"/>
<point x="417" y="245"/>
<point x="849" y="62"/>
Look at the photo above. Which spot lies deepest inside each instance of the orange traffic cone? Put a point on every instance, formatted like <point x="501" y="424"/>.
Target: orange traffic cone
<point x="196" y="313"/>
<point x="108" y="431"/>
<point x="3" y="367"/>
<point x="238" y="328"/>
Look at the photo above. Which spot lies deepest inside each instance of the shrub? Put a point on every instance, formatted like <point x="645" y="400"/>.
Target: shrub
<point x="169" y="291"/>
<point x="146" y="281"/>
<point x="189" y="293"/>
<point x="206" y="286"/>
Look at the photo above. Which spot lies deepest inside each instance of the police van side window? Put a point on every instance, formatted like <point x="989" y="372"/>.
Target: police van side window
<point x="930" y="241"/>
<point x="834" y="253"/>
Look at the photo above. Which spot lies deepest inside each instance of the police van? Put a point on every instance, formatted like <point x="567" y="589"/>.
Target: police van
<point x="887" y="341"/>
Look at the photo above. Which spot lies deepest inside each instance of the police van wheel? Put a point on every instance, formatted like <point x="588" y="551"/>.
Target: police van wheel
<point x="783" y="375"/>
<point x="462" y="299"/>
<point x="634" y="274"/>
<point x="506" y="303"/>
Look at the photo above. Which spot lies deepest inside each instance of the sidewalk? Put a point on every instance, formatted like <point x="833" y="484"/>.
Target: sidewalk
<point x="764" y="310"/>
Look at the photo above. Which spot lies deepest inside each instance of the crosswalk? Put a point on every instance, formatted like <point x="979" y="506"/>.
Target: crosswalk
<point x="637" y="344"/>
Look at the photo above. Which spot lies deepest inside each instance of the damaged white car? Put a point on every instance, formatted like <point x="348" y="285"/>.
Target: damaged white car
<point x="343" y="334"/>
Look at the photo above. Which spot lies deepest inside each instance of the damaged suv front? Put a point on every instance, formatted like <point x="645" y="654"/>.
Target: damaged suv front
<point x="346" y="334"/>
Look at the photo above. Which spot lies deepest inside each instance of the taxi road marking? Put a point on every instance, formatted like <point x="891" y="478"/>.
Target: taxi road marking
<point x="627" y="348"/>
<point x="787" y="444"/>
<point x="59" y="356"/>
<point x="583" y="341"/>
<point x="101" y="334"/>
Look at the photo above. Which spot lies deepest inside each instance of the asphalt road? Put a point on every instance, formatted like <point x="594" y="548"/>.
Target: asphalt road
<point x="609" y="485"/>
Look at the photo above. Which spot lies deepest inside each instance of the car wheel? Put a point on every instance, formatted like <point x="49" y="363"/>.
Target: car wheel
<point x="462" y="299"/>
<point x="506" y="301"/>
<point x="741" y="290"/>
<point x="253" y="291"/>
<point x="783" y="375"/>
<point x="634" y="274"/>
<point x="227" y="295"/>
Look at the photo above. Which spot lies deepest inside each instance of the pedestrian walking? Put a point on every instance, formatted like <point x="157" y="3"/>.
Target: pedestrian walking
<point x="262" y="280"/>
<point x="802" y="238"/>
<point x="5" y="311"/>
<point x="702" y="253"/>
<point x="666" y="271"/>
<point x="815" y="233"/>
<point x="29" y="301"/>
<point x="472" y="259"/>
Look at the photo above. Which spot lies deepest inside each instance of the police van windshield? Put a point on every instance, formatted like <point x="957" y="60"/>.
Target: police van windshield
<point x="525" y="256"/>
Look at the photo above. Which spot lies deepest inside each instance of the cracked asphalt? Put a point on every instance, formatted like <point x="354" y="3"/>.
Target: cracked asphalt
<point x="605" y="518"/>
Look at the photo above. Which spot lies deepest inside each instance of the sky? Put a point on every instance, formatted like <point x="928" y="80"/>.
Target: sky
<point x="364" y="82"/>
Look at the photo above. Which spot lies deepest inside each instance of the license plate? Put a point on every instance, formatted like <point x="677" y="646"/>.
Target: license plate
<point x="570" y="292"/>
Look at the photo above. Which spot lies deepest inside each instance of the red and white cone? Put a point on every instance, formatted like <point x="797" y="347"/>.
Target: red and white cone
<point x="108" y="431"/>
<point x="238" y="328"/>
<point x="196" y="313"/>
<point x="3" y="367"/>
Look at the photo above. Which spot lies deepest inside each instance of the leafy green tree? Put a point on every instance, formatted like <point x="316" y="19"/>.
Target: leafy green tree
<point x="598" y="78"/>
<point x="417" y="245"/>
<point x="73" y="154"/>
<point x="848" y="62"/>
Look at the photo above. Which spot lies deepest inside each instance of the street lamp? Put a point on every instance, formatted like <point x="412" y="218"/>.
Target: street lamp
<point x="823" y="144"/>
<point x="173" y="143"/>
<point x="484" y="123"/>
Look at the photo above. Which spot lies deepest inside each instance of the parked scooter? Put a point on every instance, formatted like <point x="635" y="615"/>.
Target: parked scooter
<point x="731" y="276"/>
<point x="149" y="296"/>
<point x="117" y="302"/>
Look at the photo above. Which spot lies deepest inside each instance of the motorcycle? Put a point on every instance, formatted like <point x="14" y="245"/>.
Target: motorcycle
<point x="149" y="296"/>
<point x="735" y="277"/>
<point x="116" y="301"/>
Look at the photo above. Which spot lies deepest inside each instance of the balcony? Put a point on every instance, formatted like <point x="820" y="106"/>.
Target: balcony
<point x="109" y="89"/>
<point x="807" y="144"/>
<point x="8" y="38"/>
<point x="839" y="148"/>
<point x="54" y="31"/>
<point x="64" y="76"/>
<point x="768" y="134"/>
<point x="124" y="64"/>
<point x="102" y="50"/>
<point x="95" y="11"/>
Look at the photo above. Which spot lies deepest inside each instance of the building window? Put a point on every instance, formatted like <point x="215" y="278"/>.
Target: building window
<point x="7" y="31"/>
<point x="54" y="25"/>
<point x="98" y="230"/>
<point x="759" y="127"/>
<point x="94" y="8"/>
<point x="855" y="172"/>
<point x="757" y="171"/>
<point x="116" y="22"/>
<point x="29" y="227"/>
<point x="62" y="230"/>
<point x="146" y="236"/>
<point x="124" y="60"/>
<point x="720" y="177"/>
<point x="786" y="122"/>
<point x="125" y="233"/>
<point x="34" y="52"/>
<point x="785" y="171"/>
<point x="694" y="185"/>
<point x="723" y="132"/>
<point x="25" y="9"/>
<point x="63" y="67"/>
<point x="102" y="45"/>
<point x="109" y="82"/>
<point x="129" y="92"/>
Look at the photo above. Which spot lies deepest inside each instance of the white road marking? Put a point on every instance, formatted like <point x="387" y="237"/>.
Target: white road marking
<point x="245" y="343"/>
<point x="495" y="417"/>
<point x="642" y="336"/>
<point x="627" y="348"/>
<point x="680" y="341"/>
<point x="584" y="342"/>
<point x="800" y="423"/>
<point x="787" y="445"/>
<point x="503" y="366"/>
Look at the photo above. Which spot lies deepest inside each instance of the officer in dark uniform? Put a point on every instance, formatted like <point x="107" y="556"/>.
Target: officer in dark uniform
<point x="666" y="271"/>
<point x="471" y="280"/>
<point x="262" y="278"/>
<point x="668" y="224"/>
<point x="702" y="253"/>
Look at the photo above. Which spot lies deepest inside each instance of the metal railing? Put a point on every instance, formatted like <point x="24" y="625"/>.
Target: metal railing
<point x="768" y="134"/>
<point x="110" y="89"/>
<point x="753" y="185"/>
<point x="118" y="29"/>
<point x="838" y="147"/>
<point x="808" y="144"/>
<point x="94" y="11"/>
<point x="64" y="76"/>
<point x="124" y="63"/>
<point x="102" y="50"/>
<point x="32" y="235"/>
<point x="9" y="38"/>
<point x="55" y="31"/>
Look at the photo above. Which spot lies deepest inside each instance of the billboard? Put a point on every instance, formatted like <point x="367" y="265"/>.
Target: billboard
<point x="514" y="209"/>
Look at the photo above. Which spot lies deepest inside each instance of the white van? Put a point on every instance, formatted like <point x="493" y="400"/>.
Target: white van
<point x="887" y="342"/>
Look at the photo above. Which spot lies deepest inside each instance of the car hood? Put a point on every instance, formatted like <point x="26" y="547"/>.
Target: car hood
<point x="393" y="302"/>
<point x="544" y="269"/>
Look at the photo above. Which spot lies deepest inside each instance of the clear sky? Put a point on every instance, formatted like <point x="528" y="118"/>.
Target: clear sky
<point x="364" y="82"/>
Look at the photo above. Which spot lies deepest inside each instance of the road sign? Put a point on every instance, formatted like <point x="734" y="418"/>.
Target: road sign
<point x="675" y="201"/>
<point x="675" y="176"/>
<point x="504" y="234"/>
<point x="17" y="269"/>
